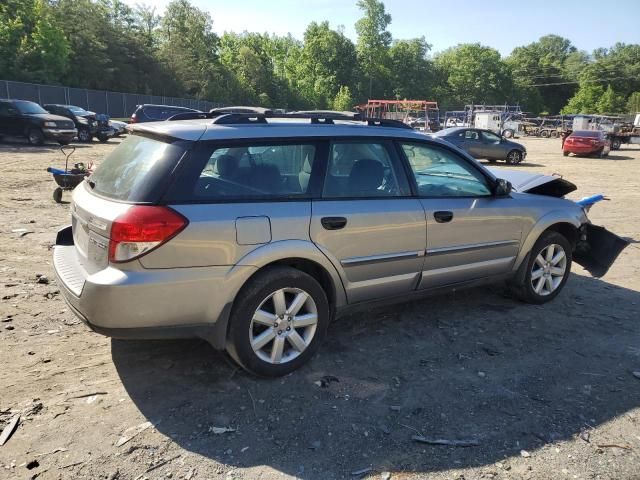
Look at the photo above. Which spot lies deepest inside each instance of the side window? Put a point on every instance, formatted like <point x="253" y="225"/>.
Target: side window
<point x="362" y="169"/>
<point x="490" y="137"/>
<point x="161" y="113"/>
<point x="257" y="172"/>
<point x="471" y="135"/>
<point x="442" y="173"/>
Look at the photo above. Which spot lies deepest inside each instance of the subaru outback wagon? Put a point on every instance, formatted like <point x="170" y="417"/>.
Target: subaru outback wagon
<point x="253" y="232"/>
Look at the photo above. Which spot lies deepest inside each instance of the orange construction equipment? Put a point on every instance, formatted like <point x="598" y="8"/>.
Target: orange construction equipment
<point x="403" y="110"/>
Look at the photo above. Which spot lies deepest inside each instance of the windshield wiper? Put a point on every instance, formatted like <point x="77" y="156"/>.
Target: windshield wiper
<point x="446" y="175"/>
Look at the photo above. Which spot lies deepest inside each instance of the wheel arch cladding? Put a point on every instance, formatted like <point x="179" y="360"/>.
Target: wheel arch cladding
<point x="557" y="221"/>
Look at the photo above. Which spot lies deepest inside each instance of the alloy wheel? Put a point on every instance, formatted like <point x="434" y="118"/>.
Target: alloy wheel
<point x="514" y="157"/>
<point x="548" y="269"/>
<point x="283" y="325"/>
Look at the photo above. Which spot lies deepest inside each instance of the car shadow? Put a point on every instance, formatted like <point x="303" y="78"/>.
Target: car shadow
<point x="611" y="156"/>
<point x="465" y="366"/>
<point x="22" y="146"/>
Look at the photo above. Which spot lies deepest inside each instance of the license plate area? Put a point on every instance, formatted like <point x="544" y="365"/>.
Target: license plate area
<point x="92" y="248"/>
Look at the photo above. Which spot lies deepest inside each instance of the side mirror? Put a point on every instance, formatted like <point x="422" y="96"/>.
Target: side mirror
<point x="502" y="188"/>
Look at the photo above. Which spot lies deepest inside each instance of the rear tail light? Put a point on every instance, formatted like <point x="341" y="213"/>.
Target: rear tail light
<point x="141" y="229"/>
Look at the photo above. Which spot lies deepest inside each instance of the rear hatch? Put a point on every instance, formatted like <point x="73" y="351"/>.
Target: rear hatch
<point x="137" y="172"/>
<point x="584" y="142"/>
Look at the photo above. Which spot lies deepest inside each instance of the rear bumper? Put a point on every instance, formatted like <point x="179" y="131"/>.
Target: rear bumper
<point x="581" y="150"/>
<point x="146" y="304"/>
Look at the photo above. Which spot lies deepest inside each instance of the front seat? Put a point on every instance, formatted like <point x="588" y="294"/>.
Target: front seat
<point x="365" y="178"/>
<point x="227" y="167"/>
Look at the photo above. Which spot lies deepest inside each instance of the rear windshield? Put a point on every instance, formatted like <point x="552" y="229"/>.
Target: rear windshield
<point x="162" y="113"/>
<point x="587" y="133"/>
<point x="137" y="170"/>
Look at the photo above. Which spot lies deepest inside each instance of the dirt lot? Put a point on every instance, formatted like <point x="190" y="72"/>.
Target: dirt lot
<point x="545" y="391"/>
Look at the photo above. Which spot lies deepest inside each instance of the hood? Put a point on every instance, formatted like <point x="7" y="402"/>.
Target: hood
<point x="536" y="183"/>
<point x="49" y="117"/>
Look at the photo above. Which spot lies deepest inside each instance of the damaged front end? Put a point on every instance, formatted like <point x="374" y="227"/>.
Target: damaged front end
<point x="596" y="247"/>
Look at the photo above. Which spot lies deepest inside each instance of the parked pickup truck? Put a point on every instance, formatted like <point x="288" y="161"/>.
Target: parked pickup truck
<point x="21" y="118"/>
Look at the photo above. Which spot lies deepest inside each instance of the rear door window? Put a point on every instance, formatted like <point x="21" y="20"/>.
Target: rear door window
<point x="257" y="171"/>
<point x="363" y="169"/>
<point x="137" y="170"/>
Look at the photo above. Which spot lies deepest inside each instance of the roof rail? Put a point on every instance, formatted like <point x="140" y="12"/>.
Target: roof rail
<point x="188" y="116"/>
<point x="326" y="117"/>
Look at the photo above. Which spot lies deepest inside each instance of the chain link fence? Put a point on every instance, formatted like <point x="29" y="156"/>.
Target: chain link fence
<point x="114" y="104"/>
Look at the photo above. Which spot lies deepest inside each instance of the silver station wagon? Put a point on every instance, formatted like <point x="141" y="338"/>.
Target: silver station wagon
<point x="254" y="231"/>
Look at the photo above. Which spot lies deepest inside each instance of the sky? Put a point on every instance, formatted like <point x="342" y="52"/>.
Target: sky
<point x="500" y="24"/>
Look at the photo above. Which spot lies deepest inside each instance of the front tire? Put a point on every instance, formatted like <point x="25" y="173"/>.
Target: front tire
<point x="546" y="271"/>
<point x="514" y="157"/>
<point x="35" y="137"/>
<point x="278" y="322"/>
<point x="84" y="135"/>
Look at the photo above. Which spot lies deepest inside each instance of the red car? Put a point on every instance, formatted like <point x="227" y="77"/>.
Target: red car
<point x="587" y="142"/>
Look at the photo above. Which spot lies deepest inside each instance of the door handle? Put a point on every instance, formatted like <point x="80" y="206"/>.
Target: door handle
<point x="333" y="223"/>
<point x="443" y="217"/>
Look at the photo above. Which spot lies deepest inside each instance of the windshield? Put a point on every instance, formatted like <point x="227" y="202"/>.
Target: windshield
<point x="29" y="108"/>
<point x="78" y="111"/>
<point x="136" y="170"/>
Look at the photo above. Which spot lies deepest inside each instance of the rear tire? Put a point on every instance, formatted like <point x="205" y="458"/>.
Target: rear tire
<point x="35" y="136"/>
<point x="566" y="154"/>
<point x="553" y="134"/>
<point x="57" y="195"/>
<point x="263" y="337"/>
<point x="544" y="273"/>
<point x="544" y="133"/>
<point x="508" y="133"/>
<point x="616" y="143"/>
<point x="514" y="157"/>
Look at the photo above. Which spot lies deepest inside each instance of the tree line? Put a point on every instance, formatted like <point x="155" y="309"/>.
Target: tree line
<point x="105" y="44"/>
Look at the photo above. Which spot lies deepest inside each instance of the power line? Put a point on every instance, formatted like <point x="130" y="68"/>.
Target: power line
<point x="583" y="81"/>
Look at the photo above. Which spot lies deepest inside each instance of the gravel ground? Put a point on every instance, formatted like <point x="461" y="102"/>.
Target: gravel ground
<point x="540" y="392"/>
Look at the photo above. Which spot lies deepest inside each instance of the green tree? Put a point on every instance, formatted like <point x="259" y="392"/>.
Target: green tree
<point x="543" y="71"/>
<point x="472" y="73"/>
<point x="32" y="46"/>
<point x="343" y="101"/>
<point x="610" y="102"/>
<point x="326" y="62"/>
<point x="411" y="72"/>
<point x="189" y="46"/>
<point x="373" y="46"/>
<point x="633" y="103"/>
<point x="585" y="100"/>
